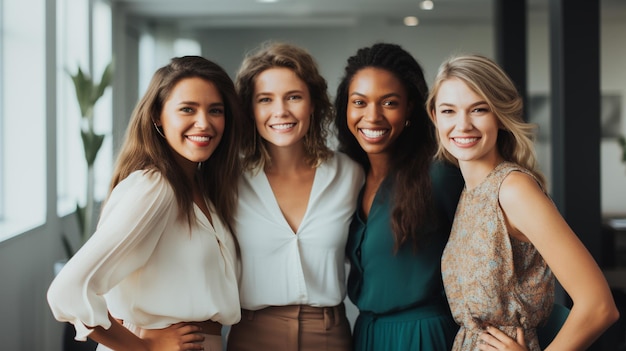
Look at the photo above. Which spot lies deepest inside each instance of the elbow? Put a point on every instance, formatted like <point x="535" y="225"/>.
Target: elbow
<point x="613" y="316"/>
<point x="608" y="314"/>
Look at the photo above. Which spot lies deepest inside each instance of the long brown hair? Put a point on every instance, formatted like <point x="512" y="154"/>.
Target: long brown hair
<point x="412" y="151"/>
<point x="275" y="54"/>
<point x="145" y="149"/>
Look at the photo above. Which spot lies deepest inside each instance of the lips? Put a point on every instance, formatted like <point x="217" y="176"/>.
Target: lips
<point x="283" y="126"/>
<point x="373" y="133"/>
<point x="199" y="138"/>
<point x="465" y="141"/>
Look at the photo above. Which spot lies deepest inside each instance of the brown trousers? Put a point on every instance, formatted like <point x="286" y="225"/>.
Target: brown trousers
<point x="292" y="328"/>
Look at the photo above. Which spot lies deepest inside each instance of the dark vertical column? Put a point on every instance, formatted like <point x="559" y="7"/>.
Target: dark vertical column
<point x="575" y="86"/>
<point x="511" y="41"/>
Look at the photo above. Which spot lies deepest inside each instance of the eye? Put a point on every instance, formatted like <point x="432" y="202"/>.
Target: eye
<point x="186" y="109"/>
<point x="358" y="103"/>
<point x="390" y="103"/>
<point x="264" y="100"/>
<point x="216" y="111"/>
<point x="446" y="111"/>
<point x="294" y="97"/>
<point x="480" y="110"/>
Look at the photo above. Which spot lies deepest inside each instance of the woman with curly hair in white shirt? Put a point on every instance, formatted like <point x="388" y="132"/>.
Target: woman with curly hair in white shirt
<point x="296" y="200"/>
<point x="163" y="252"/>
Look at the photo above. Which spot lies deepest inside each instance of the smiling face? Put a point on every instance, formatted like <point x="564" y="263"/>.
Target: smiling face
<point x="193" y="121"/>
<point x="282" y="107"/>
<point x="466" y="126"/>
<point x="377" y="110"/>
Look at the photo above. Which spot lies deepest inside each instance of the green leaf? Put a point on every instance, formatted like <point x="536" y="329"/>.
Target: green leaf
<point x="622" y="143"/>
<point x="83" y="87"/>
<point x="80" y="217"/>
<point x="91" y="144"/>
<point x="105" y="81"/>
<point x="67" y="246"/>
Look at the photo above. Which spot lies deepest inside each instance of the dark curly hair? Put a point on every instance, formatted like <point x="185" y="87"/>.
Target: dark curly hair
<point x="413" y="150"/>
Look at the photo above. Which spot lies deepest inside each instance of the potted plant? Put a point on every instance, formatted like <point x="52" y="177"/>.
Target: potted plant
<point x="88" y="92"/>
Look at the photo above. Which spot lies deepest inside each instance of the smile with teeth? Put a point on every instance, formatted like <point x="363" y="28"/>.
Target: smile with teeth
<point x="464" y="140"/>
<point x="374" y="133"/>
<point x="283" y="126"/>
<point x="199" y="138"/>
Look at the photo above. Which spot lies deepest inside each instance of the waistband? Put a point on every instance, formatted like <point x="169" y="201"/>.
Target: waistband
<point x="332" y="316"/>
<point x="418" y="312"/>
<point x="208" y="327"/>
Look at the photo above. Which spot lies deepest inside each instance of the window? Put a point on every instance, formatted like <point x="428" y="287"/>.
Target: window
<point x="1" y="129"/>
<point x="22" y="116"/>
<point x="74" y="50"/>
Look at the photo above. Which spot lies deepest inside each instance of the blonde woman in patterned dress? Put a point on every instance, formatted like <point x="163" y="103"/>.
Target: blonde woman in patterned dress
<point x="508" y="237"/>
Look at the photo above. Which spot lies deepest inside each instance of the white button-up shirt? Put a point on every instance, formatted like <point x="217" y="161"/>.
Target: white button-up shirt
<point x="145" y="266"/>
<point x="280" y="267"/>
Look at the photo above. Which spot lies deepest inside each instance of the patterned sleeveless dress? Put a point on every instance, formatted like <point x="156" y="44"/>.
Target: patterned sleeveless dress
<point x="489" y="277"/>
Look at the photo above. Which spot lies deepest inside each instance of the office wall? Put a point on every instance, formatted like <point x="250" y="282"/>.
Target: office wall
<point x="26" y="260"/>
<point x="430" y="45"/>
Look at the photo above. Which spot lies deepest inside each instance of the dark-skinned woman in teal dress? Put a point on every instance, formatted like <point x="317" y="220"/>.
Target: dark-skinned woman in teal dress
<point x="405" y="208"/>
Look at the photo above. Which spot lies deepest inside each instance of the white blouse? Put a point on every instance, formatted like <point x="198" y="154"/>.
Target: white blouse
<point x="280" y="267"/>
<point x="145" y="266"/>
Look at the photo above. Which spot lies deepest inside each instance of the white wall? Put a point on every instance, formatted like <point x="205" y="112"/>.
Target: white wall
<point x="26" y="260"/>
<point x="332" y="46"/>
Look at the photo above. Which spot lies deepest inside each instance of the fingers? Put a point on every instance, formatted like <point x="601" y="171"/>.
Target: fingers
<point x="490" y="340"/>
<point x="192" y="338"/>
<point x="520" y="336"/>
<point x="494" y="339"/>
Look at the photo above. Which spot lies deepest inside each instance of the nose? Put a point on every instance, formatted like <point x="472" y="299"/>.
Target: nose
<point x="464" y="122"/>
<point x="202" y="119"/>
<point x="279" y="108"/>
<point x="372" y="113"/>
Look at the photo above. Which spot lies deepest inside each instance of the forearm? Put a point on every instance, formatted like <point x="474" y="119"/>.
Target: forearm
<point x="118" y="338"/>
<point x="584" y="325"/>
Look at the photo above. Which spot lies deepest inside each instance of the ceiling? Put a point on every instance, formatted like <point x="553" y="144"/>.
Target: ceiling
<point x="198" y="14"/>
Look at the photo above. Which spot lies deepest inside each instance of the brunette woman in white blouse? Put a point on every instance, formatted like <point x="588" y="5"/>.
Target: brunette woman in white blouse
<point x="296" y="200"/>
<point x="163" y="252"/>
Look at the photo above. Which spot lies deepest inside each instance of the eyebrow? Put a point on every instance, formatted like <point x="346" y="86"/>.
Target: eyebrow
<point x="195" y="103"/>
<point x="382" y="97"/>
<point x="447" y="104"/>
<point x="290" y="92"/>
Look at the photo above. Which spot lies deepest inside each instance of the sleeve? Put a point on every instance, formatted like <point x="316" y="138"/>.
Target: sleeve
<point x="131" y="224"/>
<point x="447" y="183"/>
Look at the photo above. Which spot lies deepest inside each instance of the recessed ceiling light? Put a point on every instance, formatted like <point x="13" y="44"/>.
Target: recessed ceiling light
<point x="427" y="5"/>
<point x="267" y="1"/>
<point x="411" y="21"/>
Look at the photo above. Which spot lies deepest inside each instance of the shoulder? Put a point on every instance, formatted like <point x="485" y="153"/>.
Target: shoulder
<point x="518" y="187"/>
<point x="144" y="183"/>
<point x="344" y="163"/>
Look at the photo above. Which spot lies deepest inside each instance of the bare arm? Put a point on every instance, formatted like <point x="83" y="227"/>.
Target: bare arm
<point x="177" y="337"/>
<point x="118" y="338"/>
<point x="532" y="216"/>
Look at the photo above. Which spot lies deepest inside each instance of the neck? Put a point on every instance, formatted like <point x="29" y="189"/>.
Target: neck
<point x="379" y="166"/>
<point x="474" y="172"/>
<point x="287" y="159"/>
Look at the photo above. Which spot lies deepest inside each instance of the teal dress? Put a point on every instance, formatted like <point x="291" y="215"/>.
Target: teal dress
<point x="400" y="296"/>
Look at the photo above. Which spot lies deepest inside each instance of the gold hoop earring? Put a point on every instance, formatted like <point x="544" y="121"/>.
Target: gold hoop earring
<point x="158" y="130"/>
